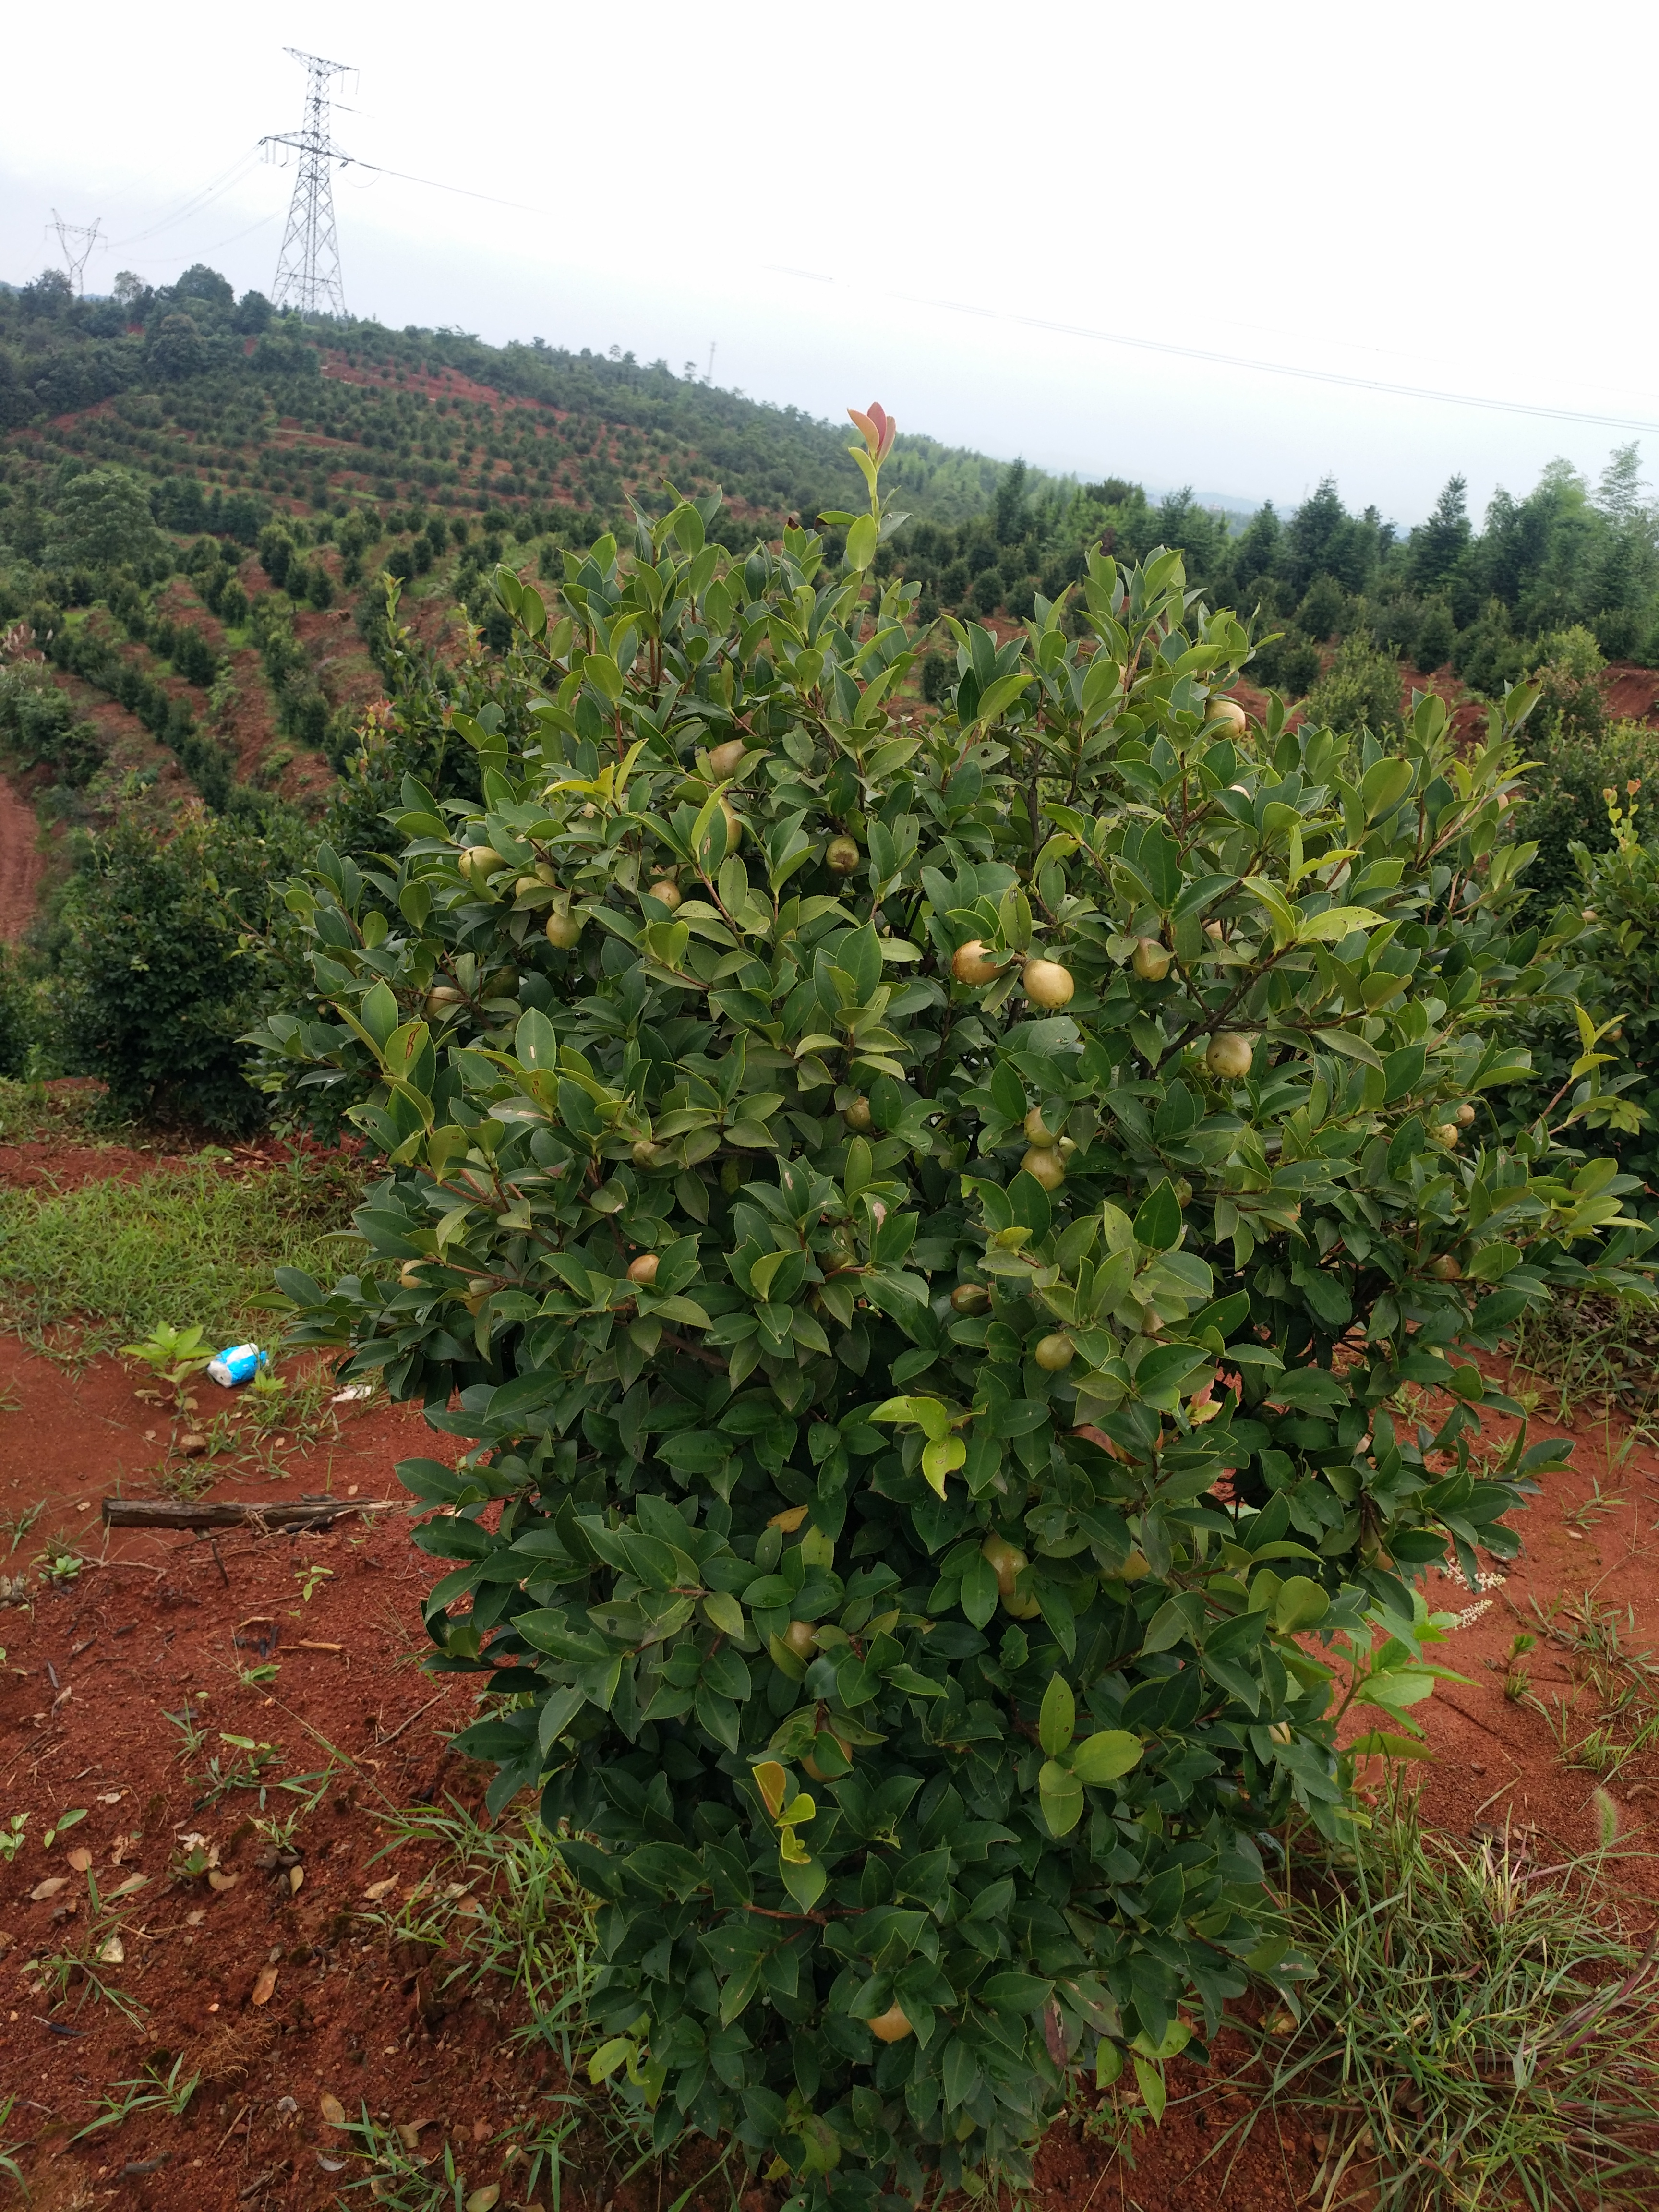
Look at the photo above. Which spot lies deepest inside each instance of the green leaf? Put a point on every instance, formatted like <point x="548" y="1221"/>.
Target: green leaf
<point x="1058" y="1717"/>
<point x="1105" y="1755"/>
<point x="1335" y="923"/>
<point x="1060" y="1796"/>
<point x="1153" y="2091"/>
<point x="979" y="1591"/>
<point x="1157" y="1223"/>
<point x="1301" y="1604"/>
<point x="1384" y="785"/>
<point x="861" y="540"/>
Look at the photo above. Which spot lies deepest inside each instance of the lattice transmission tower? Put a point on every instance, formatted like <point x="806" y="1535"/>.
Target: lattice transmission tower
<point x="77" y="239"/>
<point x="308" y="266"/>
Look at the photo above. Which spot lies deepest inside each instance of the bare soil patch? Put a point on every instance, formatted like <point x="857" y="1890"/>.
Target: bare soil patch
<point x="23" y="864"/>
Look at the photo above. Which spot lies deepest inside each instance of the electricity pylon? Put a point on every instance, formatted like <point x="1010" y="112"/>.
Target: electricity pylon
<point x="308" y="266"/>
<point x="78" y="252"/>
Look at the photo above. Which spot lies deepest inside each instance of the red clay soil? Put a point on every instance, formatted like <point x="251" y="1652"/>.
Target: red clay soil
<point x="153" y="1623"/>
<point x="1632" y="693"/>
<point x="23" y="864"/>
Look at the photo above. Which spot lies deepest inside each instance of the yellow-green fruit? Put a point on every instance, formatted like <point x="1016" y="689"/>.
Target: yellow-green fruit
<point x="1151" y="960"/>
<point x="527" y="883"/>
<point x="1048" y="984"/>
<point x="645" y="1154"/>
<point x="563" y="930"/>
<point x="734" y="828"/>
<point x="1055" y="1353"/>
<point x="858" y="1117"/>
<point x="660" y="887"/>
<point x="1007" y="1563"/>
<point x="442" y="999"/>
<point x="1446" y="1267"/>
<point x="643" y="1270"/>
<point x="725" y="760"/>
<point x="811" y="1767"/>
<point x="799" y="1636"/>
<point x="1227" y="712"/>
<point x="1465" y="1116"/>
<point x="1132" y="1570"/>
<point x="1038" y="1130"/>
<point x="970" y="1298"/>
<point x="479" y="863"/>
<point x="842" y="855"/>
<point x="1229" y="1054"/>
<point x="1449" y="1132"/>
<point x="972" y="963"/>
<point x="410" y="1276"/>
<point x="891" y="2026"/>
<point x="1044" y="1166"/>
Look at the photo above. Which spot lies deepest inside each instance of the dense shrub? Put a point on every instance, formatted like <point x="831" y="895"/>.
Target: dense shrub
<point x="1323" y="607"/>
<point x="1487" y="655"/>
<point x="1563" y="806"/>
<point x="21" y="1019"/>
<point x="1360" y="691"/>
<point x="1288" y="662"/>
<point x="1566" y="667"/>
<point x="1437" y="634"/>
<point x="909" y="1479"/>
<point x="90" y="654"/>
<point x="161" y="966"/>
<point x="39" y="727"/>
<point x="1596" y="1061"/>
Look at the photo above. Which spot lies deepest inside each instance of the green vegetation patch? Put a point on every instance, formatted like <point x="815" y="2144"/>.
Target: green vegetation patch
<point x="95" y="1268"/>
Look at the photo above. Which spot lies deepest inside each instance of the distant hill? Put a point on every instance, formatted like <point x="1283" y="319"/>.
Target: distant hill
<point x="199" y="498"/>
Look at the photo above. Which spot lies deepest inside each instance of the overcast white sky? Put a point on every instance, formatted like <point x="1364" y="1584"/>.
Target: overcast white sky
<point x="1451" y="195"/>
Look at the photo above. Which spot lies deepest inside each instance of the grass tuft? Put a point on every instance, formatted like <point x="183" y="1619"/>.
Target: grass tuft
<point x="1478" y="2033"/>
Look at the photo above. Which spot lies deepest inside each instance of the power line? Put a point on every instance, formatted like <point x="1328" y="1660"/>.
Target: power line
<point x="1279" y="368"/>
<point x="220" y="185"/>
<point x="308" y="265"/>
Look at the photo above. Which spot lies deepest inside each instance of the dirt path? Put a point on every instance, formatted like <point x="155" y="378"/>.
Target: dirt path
<point x="21" y="863"/>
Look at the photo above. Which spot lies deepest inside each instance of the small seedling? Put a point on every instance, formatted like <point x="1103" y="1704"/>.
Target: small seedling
<point x="1516" y="1680"/>
<point x="63" y="1820"/>
<point x="85" y="1967"/>
<point x="248" y="1772"/>
<point x="12" y="1838"/>
<point x="17" y="1525"/>
<point x="172" y="1356"/>
<point x="260" y="1677"/>
<point x="9" y="2164"/>
<point x="311" y="1579"/>
<point x="59" y="1565"/>
<point x="153" y="2091"/>
<point x="192" y="1734"/>
<point x="194" y="1859"/>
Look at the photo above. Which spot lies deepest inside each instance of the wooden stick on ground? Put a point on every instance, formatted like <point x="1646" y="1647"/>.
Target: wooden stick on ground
<point x="226" y="1513"/>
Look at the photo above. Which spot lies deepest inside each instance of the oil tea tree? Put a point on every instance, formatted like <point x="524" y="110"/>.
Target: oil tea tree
<point x="921" y="1221"/>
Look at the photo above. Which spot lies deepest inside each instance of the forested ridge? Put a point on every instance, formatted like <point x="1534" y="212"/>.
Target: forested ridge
<point x="201" y="499"/>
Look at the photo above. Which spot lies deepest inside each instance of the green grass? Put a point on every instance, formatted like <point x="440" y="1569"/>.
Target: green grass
<point x="92" y="1269"/>
<point x="1477" y="2033"/>
<point x="30" y="1113"/>
<point x="1592" y="1351"/>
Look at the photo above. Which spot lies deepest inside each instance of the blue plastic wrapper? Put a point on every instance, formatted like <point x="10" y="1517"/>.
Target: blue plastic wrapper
<point x="237" y="1363"/>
